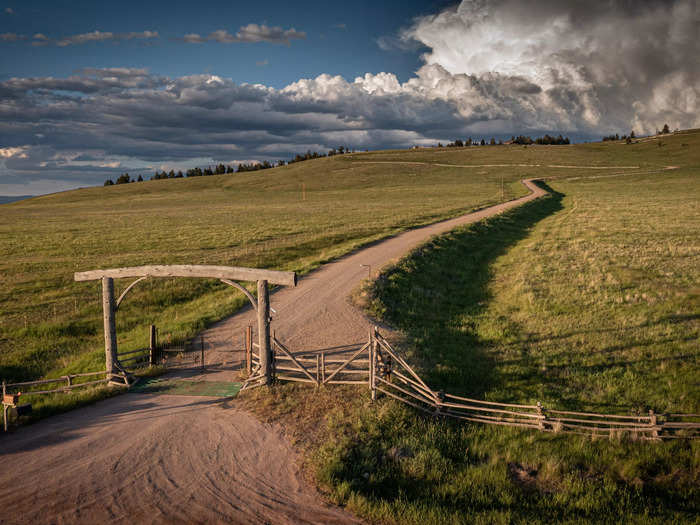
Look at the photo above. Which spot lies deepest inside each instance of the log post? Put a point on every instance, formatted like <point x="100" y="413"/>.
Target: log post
<point x="652" y="422"/>
<point x="318" y="369"/>
<point x="152" y="345"/>
<point x="201" y="342"/>
<point x="4" y="406"/>
<point x="264" y="331"/>
<point x="69" y="381"/>
<point x="372" y="363"/>
<point x="323" y="367"/>
<point x="540" y="412"/>
<point x="249" y="349"/>
<point x="110" y="328"/>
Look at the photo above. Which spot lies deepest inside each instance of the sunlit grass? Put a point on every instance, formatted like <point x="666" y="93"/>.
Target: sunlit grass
<point x="584" y="300"/>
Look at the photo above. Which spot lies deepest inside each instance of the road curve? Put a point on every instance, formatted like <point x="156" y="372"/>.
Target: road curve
<point x="140" y="458"/>
<point x="317" y="314"/>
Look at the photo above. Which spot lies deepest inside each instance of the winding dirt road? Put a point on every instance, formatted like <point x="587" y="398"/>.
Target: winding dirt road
<point x="144" y="458"/>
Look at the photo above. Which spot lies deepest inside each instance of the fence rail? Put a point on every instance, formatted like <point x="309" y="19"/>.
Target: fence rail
<point x="14" y="388"/>
<point x="378" y="365"/>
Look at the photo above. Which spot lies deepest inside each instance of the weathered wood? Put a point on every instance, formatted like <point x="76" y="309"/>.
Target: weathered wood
<point x="403" y="400"/>
<point x="189" y="270"/>
<point x="372" y="364"/>
<point x="590" y="414"/>
<point x="64" y="388"/>
<point x="341" y="367"/>
<point x="110" y="330"/>
<point x="318" y="369"/>
<point x="249" y="349"/>
<point x="416" y="385"/>
<point x="486" y="409"/>
<point x="402" y="362"/>
<point x="422" y="399"/>
<point x="479" y="401"/>
<point x="152" y="341"/>
<point x="264" y="330"/>
<point x="298" y="379"/>
<point x="613" y="424"/>
<point x="242" y="289"/>
<point x="131" y="352"/>
<point x="128" y="289"/>
<point x="301" y="367"/>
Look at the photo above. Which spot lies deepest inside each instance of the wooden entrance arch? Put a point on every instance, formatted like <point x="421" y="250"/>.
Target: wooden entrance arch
<point x="226" y="274"/>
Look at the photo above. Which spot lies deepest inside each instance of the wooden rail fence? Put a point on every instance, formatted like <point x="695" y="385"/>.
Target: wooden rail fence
<point x="377" y="364"/>
<point x="13" y="392"/>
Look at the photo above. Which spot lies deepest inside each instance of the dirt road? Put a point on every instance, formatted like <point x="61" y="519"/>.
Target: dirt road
<point x="141" y="458"/>
<point x="317" y="314"/>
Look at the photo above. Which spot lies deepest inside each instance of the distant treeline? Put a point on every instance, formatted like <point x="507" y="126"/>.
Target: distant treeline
<point x="522" y="139"/>
<point x="664" y="131"/>
<point x="221" y="169"/>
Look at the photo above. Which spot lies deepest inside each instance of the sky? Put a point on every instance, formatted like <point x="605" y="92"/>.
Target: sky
<point x="90" y="90"/>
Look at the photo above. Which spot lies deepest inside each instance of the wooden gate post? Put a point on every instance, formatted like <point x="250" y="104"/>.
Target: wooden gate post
<point x="152" y="345"/>
<point x="264" y="330"/>
<point x="110" y="327"/>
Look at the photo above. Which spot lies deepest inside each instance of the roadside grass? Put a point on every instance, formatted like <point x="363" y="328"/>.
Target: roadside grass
<point x="586" y="299"/>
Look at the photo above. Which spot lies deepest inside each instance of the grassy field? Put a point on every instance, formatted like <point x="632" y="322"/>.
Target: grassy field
<point x="585" y="300"/>
<point x="290" y="218"/>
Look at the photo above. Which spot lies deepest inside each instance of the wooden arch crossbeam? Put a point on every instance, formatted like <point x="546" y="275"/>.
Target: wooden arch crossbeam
<point x="231" y="273"/>
<point x="226" y="274"/>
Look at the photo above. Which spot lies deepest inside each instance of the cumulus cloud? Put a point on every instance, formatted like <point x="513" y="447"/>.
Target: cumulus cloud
<point x="250" y="33"/>
<point x="600" y="64"/>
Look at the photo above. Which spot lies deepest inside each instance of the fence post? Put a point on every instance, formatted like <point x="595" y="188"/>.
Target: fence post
<point x="249" y="349"/>
<point x="4" y="406"/>
<point x="318" y="369"/>
<point x="540" y="412"/>
<point x="372" y="363"/>
<point x="201" y="342"/>
<point x="323" y="367"/>
<point x="652" y="421"/>
<point x="110" y="327"/>
<point x="69" y="381"/>
<point x="152" y="345"/>
<point x="264" y="330"/>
